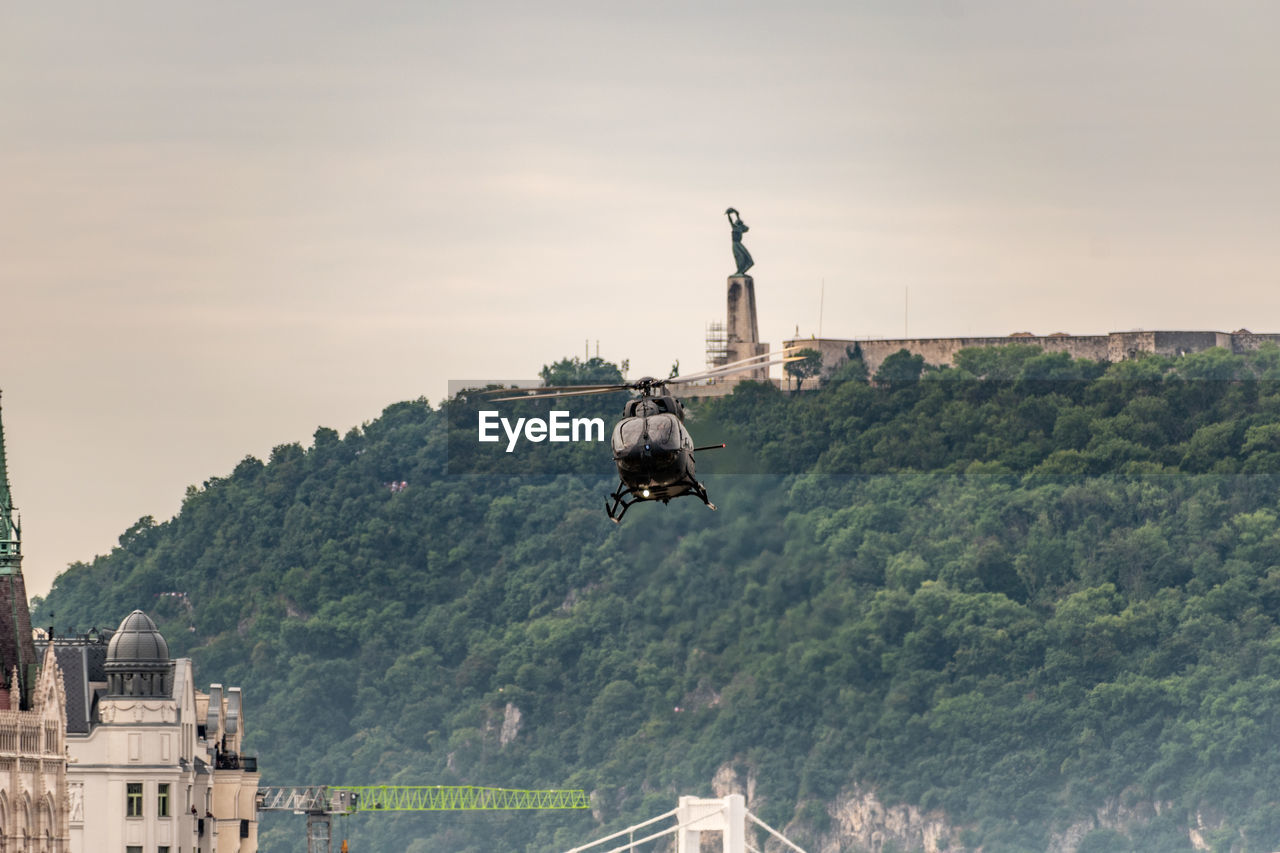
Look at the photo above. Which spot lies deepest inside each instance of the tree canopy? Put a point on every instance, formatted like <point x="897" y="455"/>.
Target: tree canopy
<point x="1012" y="591"/>
<point x="573" y="371"/>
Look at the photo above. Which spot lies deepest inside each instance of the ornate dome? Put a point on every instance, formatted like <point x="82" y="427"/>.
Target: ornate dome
<point x="137" y="640"/>
<point x="138" y="659"/>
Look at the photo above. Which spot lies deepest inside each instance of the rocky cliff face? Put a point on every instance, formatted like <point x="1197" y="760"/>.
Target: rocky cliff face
<point x="735" y="779"/>
<point x="861" y="823"/>
<point x="1112" y="815"/>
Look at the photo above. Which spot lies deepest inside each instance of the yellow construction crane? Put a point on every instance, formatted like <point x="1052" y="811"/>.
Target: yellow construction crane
<point x="320" y="802"/>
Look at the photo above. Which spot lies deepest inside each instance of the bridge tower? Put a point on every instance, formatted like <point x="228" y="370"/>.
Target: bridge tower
<point x="695" y="816"/>
<point x="738" y="828"/>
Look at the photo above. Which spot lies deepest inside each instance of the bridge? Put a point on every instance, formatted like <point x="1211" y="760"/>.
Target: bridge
<point x="739" y="829"/>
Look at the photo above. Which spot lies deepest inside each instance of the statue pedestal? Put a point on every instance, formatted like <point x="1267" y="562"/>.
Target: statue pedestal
<point x="742" y="332"/>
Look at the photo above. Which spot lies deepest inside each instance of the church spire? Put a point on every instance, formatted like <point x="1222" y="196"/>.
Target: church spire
<point x="17" y="651"/>
<point x="10" y="529"/>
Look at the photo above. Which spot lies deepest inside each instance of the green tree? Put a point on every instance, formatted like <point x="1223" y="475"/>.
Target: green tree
<point x="574" y="371"/>
<point x="899" y="367"/>
<point x="809" y="364"/>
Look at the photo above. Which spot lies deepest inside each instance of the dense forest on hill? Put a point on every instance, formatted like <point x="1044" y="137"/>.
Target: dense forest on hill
<point x="1014" y="591"/>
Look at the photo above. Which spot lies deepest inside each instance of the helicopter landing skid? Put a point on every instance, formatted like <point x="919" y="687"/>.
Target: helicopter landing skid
<point x="620" y="503"/>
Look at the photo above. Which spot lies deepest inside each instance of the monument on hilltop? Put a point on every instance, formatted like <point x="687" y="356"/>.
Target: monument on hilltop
<point x="742" y="332"/>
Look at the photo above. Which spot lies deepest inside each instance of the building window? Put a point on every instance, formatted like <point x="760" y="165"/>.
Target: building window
<point x="162" y="800"/>
<point x="162" y="849"/>
<point x="132" y="849"/>
<point x="133" y="800"/>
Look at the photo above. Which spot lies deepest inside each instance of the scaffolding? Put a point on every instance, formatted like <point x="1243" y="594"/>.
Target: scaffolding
<point x="717" y="344"/>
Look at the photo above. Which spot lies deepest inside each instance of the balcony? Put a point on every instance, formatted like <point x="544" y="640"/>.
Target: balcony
<point x="234" y="761"/>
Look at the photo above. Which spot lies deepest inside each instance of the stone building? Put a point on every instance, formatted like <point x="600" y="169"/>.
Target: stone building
<point x="33" y="762"/>
<point x="156" y="765"/>
<point x="33" y="767"/>
<point x="1112" y="347"/>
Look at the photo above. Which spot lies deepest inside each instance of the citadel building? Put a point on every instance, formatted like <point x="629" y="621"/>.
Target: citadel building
<point x="1112" y="347"/>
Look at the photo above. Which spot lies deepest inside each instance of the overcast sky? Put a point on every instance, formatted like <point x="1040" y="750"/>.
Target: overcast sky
<point x="225" y="224"/>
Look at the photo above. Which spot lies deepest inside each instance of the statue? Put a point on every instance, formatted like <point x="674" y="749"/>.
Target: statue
<point x="741" y="256"/>
<point x="75" y="791"/>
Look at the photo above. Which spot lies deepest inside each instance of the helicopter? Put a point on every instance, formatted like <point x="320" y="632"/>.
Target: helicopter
<point x="652" y="449"/>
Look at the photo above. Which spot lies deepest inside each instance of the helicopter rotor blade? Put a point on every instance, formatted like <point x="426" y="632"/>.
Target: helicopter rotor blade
<point x="703" y="377"/>
<point x="606" y="389"/>
<point x="721" y="372"/>
<point x="749" y="363"/>
<point x="545" y="392"/>
<point x="749" y="360"/>
<point x="547" y="389"/>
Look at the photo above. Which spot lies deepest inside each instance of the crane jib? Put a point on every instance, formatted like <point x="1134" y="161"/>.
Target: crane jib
<point x="349" y="799"/>
<point x="462" y="798"/>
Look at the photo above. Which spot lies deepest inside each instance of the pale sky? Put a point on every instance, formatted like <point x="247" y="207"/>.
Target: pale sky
<point x="225" y="224"/>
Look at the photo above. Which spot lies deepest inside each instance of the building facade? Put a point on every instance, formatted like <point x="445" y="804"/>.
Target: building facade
<point x="33" y="769"/>
<point x="156" y="765"/>
<point x="34" y="806"/>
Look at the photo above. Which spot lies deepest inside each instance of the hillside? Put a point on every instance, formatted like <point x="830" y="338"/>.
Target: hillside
<point x="1016" y="594"/>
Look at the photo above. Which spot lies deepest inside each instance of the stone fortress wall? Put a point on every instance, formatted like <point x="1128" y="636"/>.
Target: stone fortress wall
<point x="1113" y="347"/>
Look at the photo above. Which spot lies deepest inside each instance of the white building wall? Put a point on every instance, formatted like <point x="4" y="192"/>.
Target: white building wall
<point x="152" y="741"/>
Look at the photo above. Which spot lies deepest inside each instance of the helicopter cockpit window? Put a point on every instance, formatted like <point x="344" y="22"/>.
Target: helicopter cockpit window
<point x="662" y="432"/>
